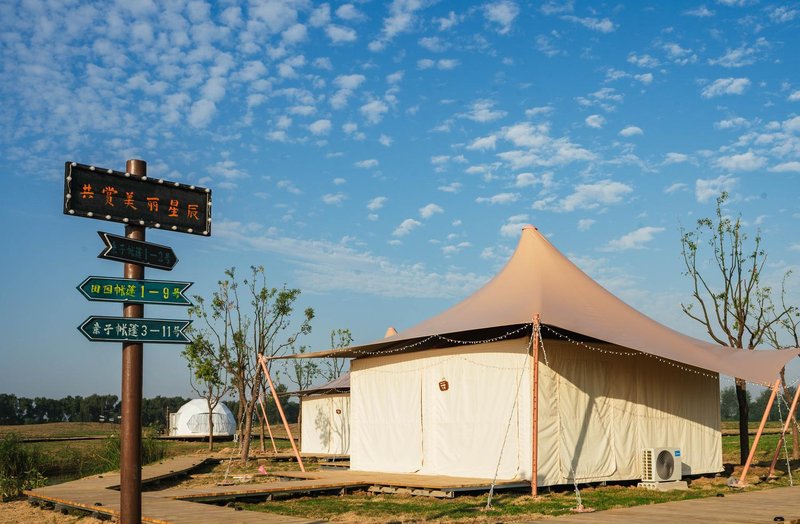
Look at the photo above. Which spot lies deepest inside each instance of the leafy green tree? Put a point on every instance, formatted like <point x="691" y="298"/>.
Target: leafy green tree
<point x="260" y="324"/>
<point x="8" y="409"/>
<point x="728" y="299"/>
<point x="208" y="375"/>
<point x="340" y="339"/>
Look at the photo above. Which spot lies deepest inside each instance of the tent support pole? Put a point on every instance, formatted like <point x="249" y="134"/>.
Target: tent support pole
<point x="786" y="424"/>
<point x="266" y="421"/>
<point x="753" y="447"/>
<point x="263" y="362"/>
<point x="535" y="408"/>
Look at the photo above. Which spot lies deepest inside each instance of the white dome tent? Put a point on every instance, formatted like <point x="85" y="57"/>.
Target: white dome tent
<point x="191" y="420"/>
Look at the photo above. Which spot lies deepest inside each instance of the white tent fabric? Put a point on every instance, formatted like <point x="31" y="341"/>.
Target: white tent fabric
<point x="325" y="424"/>
<point x="539" y="279"/>
<point x="597" y="410"/>
<point x="192" y="420"/>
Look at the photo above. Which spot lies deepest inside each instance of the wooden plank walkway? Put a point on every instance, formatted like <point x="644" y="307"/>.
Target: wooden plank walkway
<point x="741" y="508"/>
<point x="98" y="494"/>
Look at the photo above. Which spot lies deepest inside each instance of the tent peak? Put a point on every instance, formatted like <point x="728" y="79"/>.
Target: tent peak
<point x="530" y="226"/>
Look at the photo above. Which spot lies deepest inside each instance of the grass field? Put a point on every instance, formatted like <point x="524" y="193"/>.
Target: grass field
<point x="70" y="459"/>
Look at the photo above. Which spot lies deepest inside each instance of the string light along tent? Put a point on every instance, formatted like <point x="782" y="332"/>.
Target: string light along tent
<point x="454" y="394"/>
<point x="191" y="420"/>
<point x="325" y="418"/>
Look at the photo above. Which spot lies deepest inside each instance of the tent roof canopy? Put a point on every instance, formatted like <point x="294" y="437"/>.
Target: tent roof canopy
<point x="539" y="279"/>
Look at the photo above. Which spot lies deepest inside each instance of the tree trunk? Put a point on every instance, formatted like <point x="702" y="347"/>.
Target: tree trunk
<point x="744" y="415"/>
<point x="210" y="430"/>
<point x="248" y="430"/>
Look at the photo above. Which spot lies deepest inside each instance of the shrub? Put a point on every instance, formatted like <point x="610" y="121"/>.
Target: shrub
<point x="20" y="466"/>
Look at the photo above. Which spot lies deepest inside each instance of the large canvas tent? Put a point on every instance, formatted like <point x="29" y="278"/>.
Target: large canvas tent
<point x="325" y="418"/>
<point x="453" y="394"/>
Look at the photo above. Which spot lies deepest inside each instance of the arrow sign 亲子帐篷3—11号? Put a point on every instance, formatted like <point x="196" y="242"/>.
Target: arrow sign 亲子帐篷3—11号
<point x="116" y="329"/>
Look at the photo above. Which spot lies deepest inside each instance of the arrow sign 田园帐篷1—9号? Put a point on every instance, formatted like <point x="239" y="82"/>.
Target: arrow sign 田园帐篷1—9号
<point x="123" y="249"/>
<point x="163" y="292"/>
<point x="116" y="329"/>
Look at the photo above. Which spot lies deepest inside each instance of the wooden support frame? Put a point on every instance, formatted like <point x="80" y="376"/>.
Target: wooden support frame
<point x="741" y="483"/>
<point x="786" y="424"/>
<point x="263" y="361"/>
<point x="266" y="422"/>
<point x="535" y="407"/>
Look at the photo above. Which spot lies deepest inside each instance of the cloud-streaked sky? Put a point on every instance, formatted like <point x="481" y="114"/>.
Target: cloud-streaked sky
<point x="383" y="156"/>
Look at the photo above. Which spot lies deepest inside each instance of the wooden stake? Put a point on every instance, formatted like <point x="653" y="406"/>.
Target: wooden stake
<point x="783" y="432"/>
<point x="263" y="362"/>
<point x="266" y="421"/>
<point x="535" y="408"/>
<point x="775" y="387"/>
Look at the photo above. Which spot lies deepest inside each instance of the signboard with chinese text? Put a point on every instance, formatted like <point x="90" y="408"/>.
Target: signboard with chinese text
<point x="108" y="289"/>
<point x="116" y="329"/>
<point x="123" y="249"/>
<point x="111" y="195"/>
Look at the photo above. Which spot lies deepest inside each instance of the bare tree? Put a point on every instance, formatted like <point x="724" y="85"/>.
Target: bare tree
<point x="259" y="324"/>
<point x="208" y="375"/>
<point x="340" y="338"/>
<point x="789" y="324"/>
<point x="728" y="298"/>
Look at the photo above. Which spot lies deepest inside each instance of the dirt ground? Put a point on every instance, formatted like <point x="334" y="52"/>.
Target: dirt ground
<point x="19" y="511"/>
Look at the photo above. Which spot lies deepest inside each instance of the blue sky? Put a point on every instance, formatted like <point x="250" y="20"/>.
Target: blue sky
<point x="383" y="156"/>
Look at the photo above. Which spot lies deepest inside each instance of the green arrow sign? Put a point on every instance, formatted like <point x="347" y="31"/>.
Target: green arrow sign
<point x="140" y="291"/>
<point x="116" y="329"/>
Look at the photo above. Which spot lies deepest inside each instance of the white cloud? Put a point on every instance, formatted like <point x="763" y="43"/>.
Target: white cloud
<point x="603" y="25"/>
<point x="453" y="187"/>
<point x="726" y="86"/>
<point x="395" y="78"/>
<point x="731" y="123"/>
<point x="674" y="188"/>
<point x="320" y="16"/>
<point x="794" y="97"/>
<point x="502" y="14"/>
<point x="675" y="158"/>
<point x="374" y="110"/>
<point x="340" y="35"/>
<point x="645" y="78"/>
<point x="326" y="267"/>
<point x="595" y="121"/>
<point x="483" y="143"/>
<point x="430" y="210"/>
<point x="455" y="249"/>
<point x="707" y="188"/>
<point x="287" y="185"/>
<point x="350" y="13"/>
<point x="446" y="64"/>
<point x="643" y="60"/>
<point x="742" y="56"/>
<point x="742" y="162"/>
<point x="526" y="180"/>
<point x="385" y="140"/>
<point x="786" y="167"/>
<point x="401" y="19"/>
<point x="483" y="111"/>
<point x="377" y="203"/>
<point x="406" y="227"/>
<point x="700" y="12"/>
<point x="349" y="81"/>
<point x="433" y="44"/>
<point x="334" y="199"/>
<point x="587" y="196"/>
<point x="585" y="223"/>
<point x="783" y="14"/>
<point x="631" y="131"/>
<point x="545" y="44"/>
<point x="634" y="240"/>
<point x="320" y="127"/>
<point x="679" y="55"/>
<point x="295" y="34"/>
<point x="369" y="163"/>
<point x="201" y="113"/>
<point x="425" y="63"/>
<point x="500" y="198"/>
<point x="513" y="226"/>
<point x="792" y="125"/>
<point x="339" y="181"/>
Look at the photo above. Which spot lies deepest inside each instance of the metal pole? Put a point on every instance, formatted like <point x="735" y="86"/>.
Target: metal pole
<point x="263" y="362"/>
<point x="753" y="447"/>
<point x="535" y="414"/>
<point x="786" y="424"/>
<point x="132" y="359"/>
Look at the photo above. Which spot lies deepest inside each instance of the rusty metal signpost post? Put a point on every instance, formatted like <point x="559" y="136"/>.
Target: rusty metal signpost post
<point x="138" y="202"/>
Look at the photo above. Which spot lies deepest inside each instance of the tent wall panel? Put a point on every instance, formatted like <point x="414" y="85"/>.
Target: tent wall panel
<point x="596" y="412"/>
<point x="323" y="430"/>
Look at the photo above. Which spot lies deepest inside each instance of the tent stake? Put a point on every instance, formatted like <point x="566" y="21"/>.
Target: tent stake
<point x="266" y="421"/>
<point x="535" y="407"/>
<point x="775" y="387"/>
<point x="786" y="424"/>
<point x="263" y="362"/>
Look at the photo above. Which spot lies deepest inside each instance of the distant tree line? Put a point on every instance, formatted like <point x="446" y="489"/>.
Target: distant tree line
<point x="94" y="408"/>
<point x="729" y="407"/>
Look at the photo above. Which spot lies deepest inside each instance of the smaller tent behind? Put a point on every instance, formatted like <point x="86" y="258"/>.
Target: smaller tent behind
<point x="325" y="418"/>
<point x="191" y="420"/>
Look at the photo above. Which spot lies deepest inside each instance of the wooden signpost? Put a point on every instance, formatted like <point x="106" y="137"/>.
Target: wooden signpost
<point x="137" y="201"/>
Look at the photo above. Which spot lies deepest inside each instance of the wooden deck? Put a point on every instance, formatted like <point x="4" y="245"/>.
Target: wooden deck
<point x="741" y="508"/>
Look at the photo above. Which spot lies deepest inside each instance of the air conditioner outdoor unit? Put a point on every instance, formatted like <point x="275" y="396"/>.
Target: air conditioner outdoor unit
<point x="661" y="464"/>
